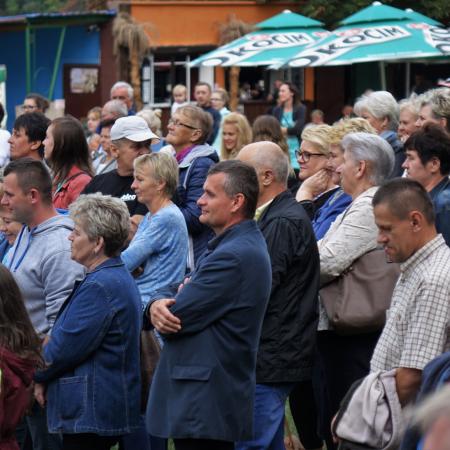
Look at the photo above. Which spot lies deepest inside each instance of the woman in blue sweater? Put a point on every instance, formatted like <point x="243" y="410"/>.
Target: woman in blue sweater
<point x="157" y="254"/>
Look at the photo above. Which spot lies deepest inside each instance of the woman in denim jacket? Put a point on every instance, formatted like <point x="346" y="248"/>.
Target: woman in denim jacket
<point x="92" y="378"/>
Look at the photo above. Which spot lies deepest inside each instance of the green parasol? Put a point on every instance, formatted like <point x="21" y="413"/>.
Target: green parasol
<point x="275" y="40"/>
<point x="377" y="33"/>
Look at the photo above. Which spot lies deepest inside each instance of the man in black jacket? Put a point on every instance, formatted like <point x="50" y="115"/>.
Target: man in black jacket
<point x="289" y="328"/>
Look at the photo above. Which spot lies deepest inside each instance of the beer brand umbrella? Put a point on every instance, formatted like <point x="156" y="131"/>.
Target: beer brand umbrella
<point x="274" y="40"/>
<point x="376" y="33"/>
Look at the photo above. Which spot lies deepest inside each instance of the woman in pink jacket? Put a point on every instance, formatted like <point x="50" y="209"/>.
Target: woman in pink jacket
<point x="67" y="153"/>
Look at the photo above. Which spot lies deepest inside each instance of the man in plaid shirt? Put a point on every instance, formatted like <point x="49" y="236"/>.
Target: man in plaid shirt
<point x="417" y="328"/>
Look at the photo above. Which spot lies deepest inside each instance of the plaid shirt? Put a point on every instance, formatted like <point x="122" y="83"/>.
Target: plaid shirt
<point x="418" y="324"/>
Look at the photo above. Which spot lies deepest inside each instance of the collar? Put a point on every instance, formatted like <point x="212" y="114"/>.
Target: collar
<point x="180" y="156"/>
<point x="443" y="184"/>
<point x="115" y="261"/>
<point x="237" y="228"/>
<point x="423" y="253"/>
<point x="259" y="211"/>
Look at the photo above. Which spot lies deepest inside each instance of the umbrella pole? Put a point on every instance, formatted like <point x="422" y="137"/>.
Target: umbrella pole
<point x="407" y="79"/>
<point x="382" y="75"/>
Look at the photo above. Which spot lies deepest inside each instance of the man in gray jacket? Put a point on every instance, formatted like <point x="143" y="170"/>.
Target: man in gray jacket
<point x="39" y="260"/>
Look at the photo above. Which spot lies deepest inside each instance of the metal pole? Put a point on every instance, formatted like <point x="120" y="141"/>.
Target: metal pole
<point x="28" y="59"/>
<point x="188" y="77"/>
<point x="57" y="63"/>
<point x="382" y="75"/>
<point x="407" y="79"/>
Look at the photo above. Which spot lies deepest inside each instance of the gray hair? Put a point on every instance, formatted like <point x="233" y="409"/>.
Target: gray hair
<point x="116" y="107"/>
<point x="379" y="104"/>
<point x="123" y="84"/>
<point x="200" y="119"/>
<point x="163" y="167"/>
<point x="409" y="104"/>
<point x="439" y="101"/>
<point x="153" y="119"/>
<point x="374" y="150"/>
<point x="103" y="216"/>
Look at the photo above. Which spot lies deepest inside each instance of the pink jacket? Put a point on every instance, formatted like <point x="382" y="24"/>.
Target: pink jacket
<point x="69" y="189"/>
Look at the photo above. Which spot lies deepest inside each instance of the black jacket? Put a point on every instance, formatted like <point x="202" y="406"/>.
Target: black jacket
<point x="290" y="323"/>
<point x="298" y="116"/>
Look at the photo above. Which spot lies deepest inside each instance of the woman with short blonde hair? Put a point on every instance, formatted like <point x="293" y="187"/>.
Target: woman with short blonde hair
<point x="158" y="252"/>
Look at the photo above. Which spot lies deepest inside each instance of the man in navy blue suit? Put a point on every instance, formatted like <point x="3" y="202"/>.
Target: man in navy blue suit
<point x="203" y="389"/>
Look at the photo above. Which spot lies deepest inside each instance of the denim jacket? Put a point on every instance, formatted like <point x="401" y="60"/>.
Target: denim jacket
<point x="440" y="195"/>
<point x="93" y="376"/>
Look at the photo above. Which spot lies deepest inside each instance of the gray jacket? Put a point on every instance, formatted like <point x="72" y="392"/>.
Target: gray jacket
<point x="373" y="415"/>
<point x="41" y="264"/>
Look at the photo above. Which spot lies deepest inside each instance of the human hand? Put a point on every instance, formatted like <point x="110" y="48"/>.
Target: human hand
<point x="40" y="393"/>
<point x="161" y="317"/>
<point x="314" y="185"/>
<point x="183" y="284"/>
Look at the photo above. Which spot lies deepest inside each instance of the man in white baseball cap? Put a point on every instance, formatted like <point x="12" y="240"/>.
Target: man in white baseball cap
<point x="133" y="128"/>
<point x="130" y="138"/>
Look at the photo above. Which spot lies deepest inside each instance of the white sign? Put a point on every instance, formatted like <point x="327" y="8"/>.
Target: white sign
<point x="347" y="40"/>
<point x="255" y="44"/>
<point x="439" y="38"/>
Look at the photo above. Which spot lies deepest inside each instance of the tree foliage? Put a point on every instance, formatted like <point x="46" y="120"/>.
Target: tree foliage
<point x="332" y="11"/>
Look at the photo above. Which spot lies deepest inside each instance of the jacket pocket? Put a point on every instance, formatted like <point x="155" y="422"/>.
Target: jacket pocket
<point x="72" y="397"/>
<point x="198" y="373"/>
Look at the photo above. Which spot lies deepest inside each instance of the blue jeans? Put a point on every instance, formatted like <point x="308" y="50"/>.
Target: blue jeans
<point x="268" y="417"/>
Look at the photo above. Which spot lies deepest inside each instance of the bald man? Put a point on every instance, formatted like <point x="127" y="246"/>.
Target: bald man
<point x="289" y="328"/>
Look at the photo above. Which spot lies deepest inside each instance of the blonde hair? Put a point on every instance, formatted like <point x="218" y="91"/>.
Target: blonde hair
<point x="346" y="126"/>
<point x="244" y="132"/>
<point x="163" y="167"/>
<point x="179" y="88"/>
<point x="153" y="119"/>
<point x="223" y="95"/>
<point x="319" y="137"/>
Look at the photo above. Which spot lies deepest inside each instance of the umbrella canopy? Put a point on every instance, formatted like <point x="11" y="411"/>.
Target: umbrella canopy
<point x="275" y="40"/>
<point x="366" y="36"/>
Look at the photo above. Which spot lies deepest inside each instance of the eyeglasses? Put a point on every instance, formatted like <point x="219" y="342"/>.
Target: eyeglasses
<point x="177" y="123"/>
<point x="29" y="107"/>
<point x="299" y="154"/>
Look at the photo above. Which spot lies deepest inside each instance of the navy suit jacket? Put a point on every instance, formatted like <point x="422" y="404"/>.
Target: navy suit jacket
<point x="204" y="384"/>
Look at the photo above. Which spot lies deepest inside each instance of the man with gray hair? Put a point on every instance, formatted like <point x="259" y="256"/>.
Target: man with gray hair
<point x="113" y="110"/>
<point x="287" y="343"/>
<point x="123" y="91"/>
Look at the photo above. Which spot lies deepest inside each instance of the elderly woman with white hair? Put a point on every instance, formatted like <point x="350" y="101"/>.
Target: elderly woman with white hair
<point x="367" y="161"/>
<point x="409" y="113"/>
<point x="381" y="110"/>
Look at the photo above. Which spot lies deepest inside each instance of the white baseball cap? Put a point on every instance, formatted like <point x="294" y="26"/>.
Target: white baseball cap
<point x="133" y="128"/>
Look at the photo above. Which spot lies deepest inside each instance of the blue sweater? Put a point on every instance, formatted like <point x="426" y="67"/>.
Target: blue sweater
<point x="161" y="247"/>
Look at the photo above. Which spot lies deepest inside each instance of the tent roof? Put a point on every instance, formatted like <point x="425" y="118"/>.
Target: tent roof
<point x="57" y="19"/>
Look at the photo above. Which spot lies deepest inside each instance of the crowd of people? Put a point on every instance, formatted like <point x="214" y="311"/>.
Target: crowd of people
<point x="186" y="283"/>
